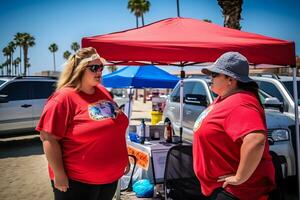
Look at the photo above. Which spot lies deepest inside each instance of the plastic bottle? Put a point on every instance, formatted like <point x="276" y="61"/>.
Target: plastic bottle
<point x="143" y="131"/>
<point x="168" y="132"/>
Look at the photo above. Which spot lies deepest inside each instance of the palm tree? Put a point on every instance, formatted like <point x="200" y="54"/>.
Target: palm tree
<point x="11" y="46"/>
<point x="178" y="10"/>
<point x="53" y="48"/>
<point x="67" y="54"/>
<point x="145" y="5"/>
<point x="1" y="68"/>
<point x="75" y="46"/>
<point x="6" y="52"/>
<point x="26" y="42"/>
<point x="18" y="41"/>
<point x="138" y="7"/>
<point x="231" y="10"/>
<point x="28" y="65"/>
<point x="16" y="62"/>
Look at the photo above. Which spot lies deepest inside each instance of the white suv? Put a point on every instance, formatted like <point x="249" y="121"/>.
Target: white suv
<point x="197" y="97"/>
<point x="21" y="102"/>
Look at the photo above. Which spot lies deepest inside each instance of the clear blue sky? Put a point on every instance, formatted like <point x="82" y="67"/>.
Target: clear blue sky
<point x="67" y="21"/>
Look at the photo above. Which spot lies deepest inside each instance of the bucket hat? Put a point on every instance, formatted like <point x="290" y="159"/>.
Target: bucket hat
<point x="232" y="64"/>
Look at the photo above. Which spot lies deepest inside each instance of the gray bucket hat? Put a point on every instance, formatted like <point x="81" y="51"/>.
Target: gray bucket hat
<point x="232" y="64"/>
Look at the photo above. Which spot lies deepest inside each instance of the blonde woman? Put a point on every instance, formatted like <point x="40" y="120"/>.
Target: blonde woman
<point x="83" y="132"/>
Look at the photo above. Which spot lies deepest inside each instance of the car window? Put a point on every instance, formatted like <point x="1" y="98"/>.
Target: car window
<point x="17" y="91"/>
<point x="289" y="86"/>
<point x="270" y="89"/>
<point x="199" y="89"/>
<point x="1" y="82"/>
<point x="188" y="89"/>
<point x="262" y="96"/>
<point x="42" y="89"/>
<point x="174" y="97"/>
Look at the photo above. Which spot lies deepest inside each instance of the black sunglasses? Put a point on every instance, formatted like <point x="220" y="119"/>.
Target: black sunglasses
<point x="95" y="68"/>
<point x="214" y="74"/>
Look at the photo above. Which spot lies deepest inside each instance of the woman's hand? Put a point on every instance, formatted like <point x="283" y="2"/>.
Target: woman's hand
<point x="61" y="181"/>
<point x="251" y="154"/>
<point x="127" y="169"/>
<point x="230" y="179"/>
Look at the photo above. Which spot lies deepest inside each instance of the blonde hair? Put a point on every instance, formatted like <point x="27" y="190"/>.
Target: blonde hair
<point x="72" y="74"/>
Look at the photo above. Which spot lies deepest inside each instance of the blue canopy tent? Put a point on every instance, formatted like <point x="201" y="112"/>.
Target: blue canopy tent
<point x="148" y="76"/>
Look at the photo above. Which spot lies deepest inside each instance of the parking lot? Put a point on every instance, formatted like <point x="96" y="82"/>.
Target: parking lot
<point x="23" y="167"/>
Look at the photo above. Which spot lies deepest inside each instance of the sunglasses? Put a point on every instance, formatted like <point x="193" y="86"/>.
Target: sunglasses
<point x="214" y="74"/>
<point x="95" y="68"/>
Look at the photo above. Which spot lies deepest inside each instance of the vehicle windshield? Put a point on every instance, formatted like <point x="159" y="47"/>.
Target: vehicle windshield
<point x="289" y="86"/>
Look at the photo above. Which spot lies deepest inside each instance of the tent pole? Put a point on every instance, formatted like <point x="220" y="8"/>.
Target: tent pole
<point x="296" y="121"/>
<point x="182" y="76"/>
<point x="129" y="103"/>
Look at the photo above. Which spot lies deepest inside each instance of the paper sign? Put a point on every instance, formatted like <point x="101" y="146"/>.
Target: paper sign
<point x="142" y="158"/>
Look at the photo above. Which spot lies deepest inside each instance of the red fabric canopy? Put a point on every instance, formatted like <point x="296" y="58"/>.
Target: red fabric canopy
<point x="189" y="41"/>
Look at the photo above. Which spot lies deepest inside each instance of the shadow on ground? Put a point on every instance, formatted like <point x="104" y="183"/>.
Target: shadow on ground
<point x="21" y="147"/>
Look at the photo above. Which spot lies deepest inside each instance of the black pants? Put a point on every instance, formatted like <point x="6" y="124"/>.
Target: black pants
<point x="83" y="191"/>
<point x="221" y="194"/>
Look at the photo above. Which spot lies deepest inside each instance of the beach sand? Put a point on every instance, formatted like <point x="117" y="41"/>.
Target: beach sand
<point x="23" y="166"/>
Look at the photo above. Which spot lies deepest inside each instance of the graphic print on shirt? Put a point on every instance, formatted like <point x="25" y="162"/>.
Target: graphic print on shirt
<point x="103" y="109"/>
<point x="201" y="117"/>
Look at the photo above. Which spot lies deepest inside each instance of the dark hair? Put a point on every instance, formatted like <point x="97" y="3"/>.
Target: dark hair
<point x="250" y="87"/>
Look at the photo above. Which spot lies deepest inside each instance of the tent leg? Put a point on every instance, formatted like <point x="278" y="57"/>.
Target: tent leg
<point x="129" y="106"/>
<point x="296" y="121"/>
<point x="182" y="76"/>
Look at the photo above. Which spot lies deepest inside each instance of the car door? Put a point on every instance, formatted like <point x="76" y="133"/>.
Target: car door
<point x="187" y="108"/>
<point x="192" y="111"/>
<point x="41" y="90"/>
<point x="17" y="112"/>
<point x="173" y="108"/>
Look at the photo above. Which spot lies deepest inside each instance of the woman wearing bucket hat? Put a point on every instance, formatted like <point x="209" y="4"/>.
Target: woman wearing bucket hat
<point x="83" y="132"/>
<point x="231" y="155"/>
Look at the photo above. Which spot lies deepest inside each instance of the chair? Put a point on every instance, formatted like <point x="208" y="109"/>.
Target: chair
<point x="278" y="193"/>
<point x="180" y="181"/>
<point x="126" y="180"/>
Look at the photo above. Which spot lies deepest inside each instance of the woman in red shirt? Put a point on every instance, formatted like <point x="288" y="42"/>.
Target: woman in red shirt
<point x="231" y="155"/>
<point x="83" y="132"/>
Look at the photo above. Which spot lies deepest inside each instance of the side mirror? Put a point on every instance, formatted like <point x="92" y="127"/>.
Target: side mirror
<point x="273" y="102"/>
<point x="3" y="98"/>
<point x="196" y="99"/>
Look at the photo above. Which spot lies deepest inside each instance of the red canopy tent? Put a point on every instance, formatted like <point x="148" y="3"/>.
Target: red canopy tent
<point x="185" y="41"/>
<point x="188" y="41"/>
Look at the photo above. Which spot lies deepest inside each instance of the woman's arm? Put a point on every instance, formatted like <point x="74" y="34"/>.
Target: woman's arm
<point x="251" y="153"/>
<point x="53" y="154"/>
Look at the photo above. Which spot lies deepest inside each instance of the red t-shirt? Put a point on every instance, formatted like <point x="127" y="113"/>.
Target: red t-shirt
<point x="217" y="143"/>
<point x="91" y="131"/>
